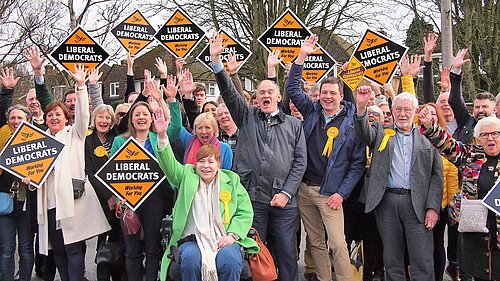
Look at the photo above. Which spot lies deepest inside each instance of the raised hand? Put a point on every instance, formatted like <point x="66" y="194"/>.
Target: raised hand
<point x="187" y="84"/>
<point x="445" y="83"/>
<point x="345" y="66"/>
<point x="32" y="54"/>
<point x="430" y="43"/>
<point x="232" y="64"/>
<point x="94" y="76"/>
<point x="362" y="98"/>
<point x="153" y="89"/>
<point x="410" y="65"/>
<point x="458" y="61"/>
<point x="273" y="59"/>
<point x="415" y="66"/>
<point x="161" y="123"/>
<point x="216" y="47"/>
<point x="147" y="77"/>
<point x="7" y="78"/>
<point x="79" y="75"/>
<point x="162" y="67"/>
<point x="179" y="63"/>
<point x="307" y="48"/>
<point x="171" y="89"/>
<point x="425" y="117"/>
<point x="389" y="91"/>
<point x="130" y="63"/>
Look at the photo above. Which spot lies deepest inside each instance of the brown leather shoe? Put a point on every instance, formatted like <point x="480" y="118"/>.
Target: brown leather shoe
<point x="453" y="273"/>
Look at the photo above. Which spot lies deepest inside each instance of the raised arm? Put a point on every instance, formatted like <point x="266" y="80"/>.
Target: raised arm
<point x="94" y="91"/>
<point x="170" y="91"/>
<point x="9" y="82"/>
<point x="82" y="115"/>
<point x="233" y="100"/>
<point x="174" y="171"/>
<point x="43" y="93"/>
<point x="293" y="84"/>
<point x="410" y="68"/>
<point x="130" y="76"/>
<point x="364" y="131"/>
<point x="233" y="67"/>
<point x="456" y="99"/>
<point x="428" y="85"/>
<point x="455" y="151"/>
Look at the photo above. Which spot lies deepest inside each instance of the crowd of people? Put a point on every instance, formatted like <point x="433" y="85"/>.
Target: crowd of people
<point x="374" y="164"/>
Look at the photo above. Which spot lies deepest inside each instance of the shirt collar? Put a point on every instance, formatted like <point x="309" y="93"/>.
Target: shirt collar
<point x="331" y="117"/>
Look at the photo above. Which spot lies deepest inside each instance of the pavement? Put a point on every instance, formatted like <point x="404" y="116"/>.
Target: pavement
<point x="91" y="269"/>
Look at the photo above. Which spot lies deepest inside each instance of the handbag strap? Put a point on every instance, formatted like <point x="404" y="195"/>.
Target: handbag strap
<point x="119" y="209"/>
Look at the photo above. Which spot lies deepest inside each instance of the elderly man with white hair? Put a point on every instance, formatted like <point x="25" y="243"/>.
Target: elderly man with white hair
<point x="405" y="186"/>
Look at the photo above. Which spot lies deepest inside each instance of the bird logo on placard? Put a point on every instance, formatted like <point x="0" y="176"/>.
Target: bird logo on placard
<point x="25" y="136"/>
<point x="178" y="20"/>
<point x="288" y="22"/>
<point x="371" y="41"/>
<point x="80" y="38"/>
<point x="131" y="153"/>
<point x="135" y="19"/>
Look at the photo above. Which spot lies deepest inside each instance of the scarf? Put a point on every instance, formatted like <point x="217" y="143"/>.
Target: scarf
<point x="193" y="145"/>
<point x="60" y="179"/>
<point x="209" y="226"/>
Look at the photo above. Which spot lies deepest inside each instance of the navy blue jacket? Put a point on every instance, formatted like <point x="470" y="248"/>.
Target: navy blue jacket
<point x="347" y="161"/>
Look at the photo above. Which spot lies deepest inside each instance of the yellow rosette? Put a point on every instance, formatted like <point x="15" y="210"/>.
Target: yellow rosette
<point x="388" y="133"/>
<point x="225" y="197"/>
<point x="332" y="133"/>
<point x="100" y="151"/>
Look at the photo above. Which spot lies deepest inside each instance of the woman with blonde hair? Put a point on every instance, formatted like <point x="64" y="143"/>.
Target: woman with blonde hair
<point x="206" y="131"/>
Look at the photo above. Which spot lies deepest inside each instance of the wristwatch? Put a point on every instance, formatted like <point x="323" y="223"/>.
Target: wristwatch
<point x="235" y="236"/>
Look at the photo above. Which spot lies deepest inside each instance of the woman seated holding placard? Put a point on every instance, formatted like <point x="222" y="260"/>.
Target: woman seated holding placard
<point x="65" y="218"/>
<point x="151" y="211"/>
<point x="212" y="214"/>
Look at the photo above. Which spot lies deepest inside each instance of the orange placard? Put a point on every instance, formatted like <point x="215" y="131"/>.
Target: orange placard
<point x="241" y="52"/>
<point x="132" y="173"/>
<point x="180" y="35"/>
<point x="30" y="152"/>
<point x="286" y="34"/>
<point x="79" y="48"/>
<point x="379" y="55"/>
<point x="354" y="74"/>
<point x="134" y="33"/>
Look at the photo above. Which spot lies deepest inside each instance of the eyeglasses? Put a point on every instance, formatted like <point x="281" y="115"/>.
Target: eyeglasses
<point x="388" y="114"/>
<point x="121" y="114"/>
<point x="485" y="136"/>
<point x="373" y="113"/>
<point x="407" y="110"/>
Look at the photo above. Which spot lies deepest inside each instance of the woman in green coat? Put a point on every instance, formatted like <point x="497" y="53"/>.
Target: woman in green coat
<point x="212" y="214"/>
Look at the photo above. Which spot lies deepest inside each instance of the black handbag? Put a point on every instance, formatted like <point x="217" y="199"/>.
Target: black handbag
<point x="109" y="254"/>
<point x="78" y="187"/>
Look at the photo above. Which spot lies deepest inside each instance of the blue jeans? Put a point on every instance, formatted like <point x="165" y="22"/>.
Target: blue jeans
<point x="228" y="261"/>
<point x="18" y="222"/>
<point x="277" y="229"/>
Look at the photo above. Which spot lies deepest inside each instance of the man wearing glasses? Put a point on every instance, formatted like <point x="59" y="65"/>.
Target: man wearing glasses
<point x="405" y="186"/>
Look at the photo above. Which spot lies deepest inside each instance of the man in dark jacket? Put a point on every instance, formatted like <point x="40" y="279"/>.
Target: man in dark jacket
<point x="484" y="103"/>
<point x="335" y="163"/>
<point x="270" y="160"/>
